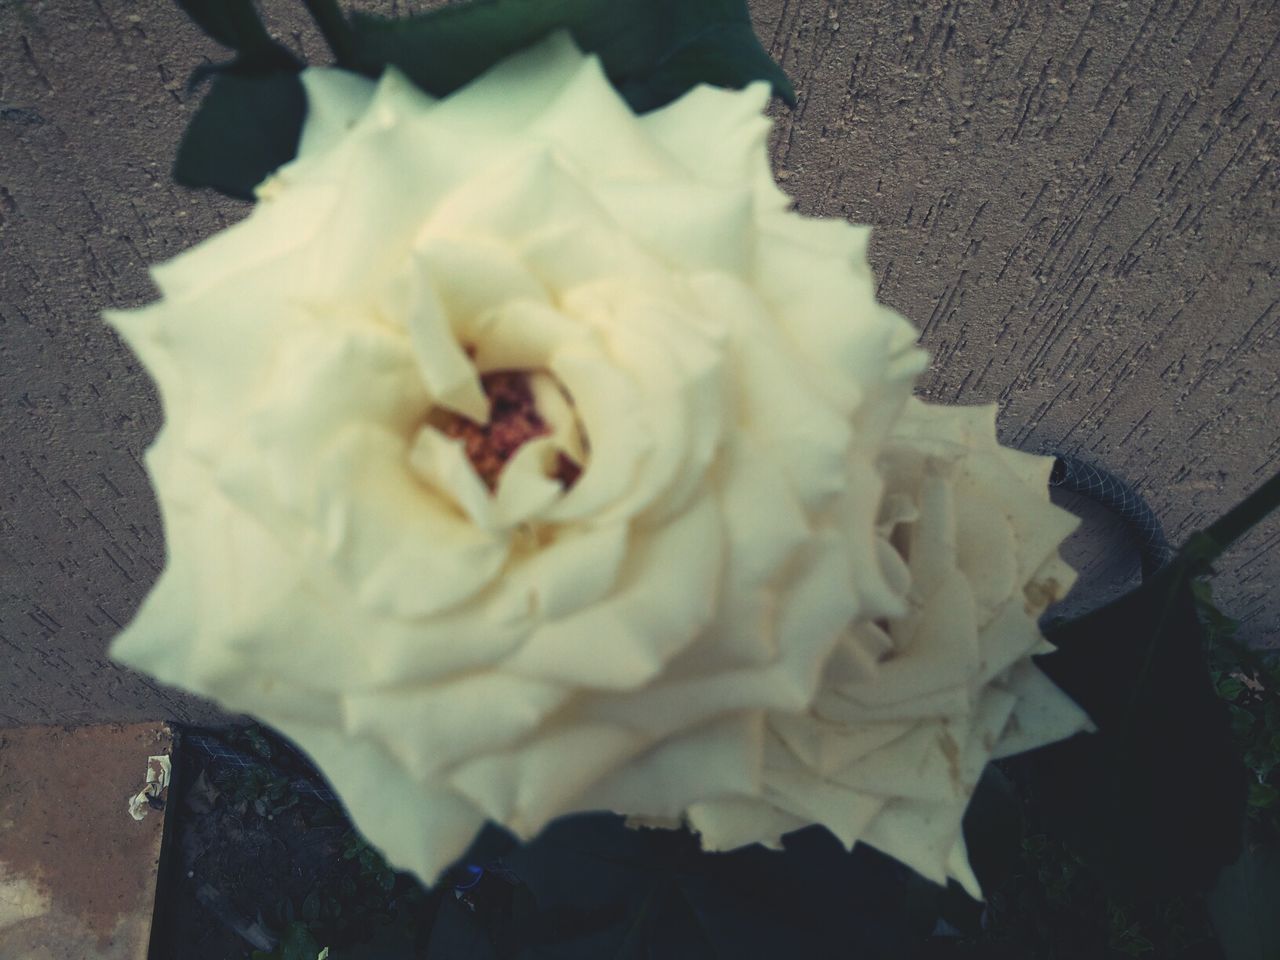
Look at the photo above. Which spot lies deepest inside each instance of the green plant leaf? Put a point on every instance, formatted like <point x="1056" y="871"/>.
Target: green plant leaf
<point x="247" y="126"/>
<point x="1243" y="904"/>
<point x="311" y="906"/>
<point x="1229" y="688"/>
<point x="395" y="939"/>
<point x="249" y="121"/>
<point x="1154" y="800"/>
<point x="652" y="50"/>
<point x="298" y="943"/>
<point x="233" y="23"/>
<point x="1262" y="795"/>
<point x="993" y="828"/>
<point x="333" y="27"/>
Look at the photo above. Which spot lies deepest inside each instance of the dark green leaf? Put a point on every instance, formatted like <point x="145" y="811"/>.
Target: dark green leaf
<point x="1243" y="905"/>
<point x="1155" y="799"/>
<point x="1229" y="688"/>
<point x="311" y="907"/>
<point x="1262" y="795"/>
<point x="652" y="50"/>
<point x="247" y="126"/>
<point x="1241" y="720"/>
<point x="603" y="890"/>
<point x="233" y="23"/>
<point x="333" y="27"/>
<point x="993" y="828"/>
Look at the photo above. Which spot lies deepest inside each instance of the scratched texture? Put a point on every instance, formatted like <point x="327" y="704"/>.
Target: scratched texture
<point x="1076" y="202"/>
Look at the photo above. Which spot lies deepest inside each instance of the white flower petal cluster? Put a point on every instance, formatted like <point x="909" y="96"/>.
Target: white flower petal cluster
<point x="911" y="707"/>
<point x="523" y="456"/>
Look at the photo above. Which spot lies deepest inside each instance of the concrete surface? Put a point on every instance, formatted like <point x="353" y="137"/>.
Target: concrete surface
<point x="1075" y="201"/>
<point x="77" y="872"/>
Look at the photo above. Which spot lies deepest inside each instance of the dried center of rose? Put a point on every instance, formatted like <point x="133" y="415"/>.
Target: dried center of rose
<point x="514" y="420"/>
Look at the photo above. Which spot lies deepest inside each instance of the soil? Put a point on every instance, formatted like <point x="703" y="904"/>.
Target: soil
<point x="249" y="856"/>
<point x="253" y="863"/>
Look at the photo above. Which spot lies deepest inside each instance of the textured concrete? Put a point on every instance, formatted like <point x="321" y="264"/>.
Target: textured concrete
<point x="1076" y="202"/>
<point x="77" y="872"/>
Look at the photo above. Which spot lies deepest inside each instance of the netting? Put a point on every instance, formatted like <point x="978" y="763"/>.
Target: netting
<point x="1108" y="490"/>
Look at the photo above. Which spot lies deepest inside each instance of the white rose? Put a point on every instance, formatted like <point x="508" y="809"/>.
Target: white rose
<point x="458" y="625"/>
<point x="912" y="706"/>
<point x="523" y="456"/>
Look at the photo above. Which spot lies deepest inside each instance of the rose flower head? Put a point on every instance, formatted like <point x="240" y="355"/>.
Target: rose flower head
<point x="524" y="456"/>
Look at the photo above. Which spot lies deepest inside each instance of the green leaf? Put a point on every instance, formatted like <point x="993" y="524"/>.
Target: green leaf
<point x="1155" y="800"/>
<point x="1241" y="720"/>
<point x="247" y="126"/>
<point x="233" y="23"/>
<point x="652" y="50"/>
<point x="1229" y="688"/>
<point x="1262" y="795"/>
<point x="333" y="27"/>
<point x="311" y="906"/>
<point x="298" y="943"/>
<point x="394" y="940"/>
<point x="993" y="829"/>
<point x="1243" y="905"/>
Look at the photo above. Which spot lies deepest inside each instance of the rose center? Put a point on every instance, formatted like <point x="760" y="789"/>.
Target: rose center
<point x="514" y="420"/>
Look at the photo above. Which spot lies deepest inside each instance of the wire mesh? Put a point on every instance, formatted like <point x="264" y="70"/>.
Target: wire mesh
<point x="1107" y="490"/>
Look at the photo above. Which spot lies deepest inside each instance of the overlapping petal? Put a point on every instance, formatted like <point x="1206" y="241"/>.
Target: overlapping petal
<point x="524" y="456"/>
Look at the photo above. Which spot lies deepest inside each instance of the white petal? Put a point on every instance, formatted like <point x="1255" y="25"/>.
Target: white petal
<point x="596" y="133"/>
<point x="958" y="869"/>
<point x="335" y="101"/>
<point x="447" y="373"/>
<point x="828" y="747"/>
<point x="1043" y="713"/>
<point x="664" y="597"/>
<point x="429" y="728"/>
<point x="441" y="462"/>
<point x="726" y="823"/>
<point x="810" y="620"/>
<point x="715" y="223"/>
<point x="525" y="335"/>
<point x="402" y="547"/>
<point x="830" y="313"/>
<point x="715" y="759"/>
<point x="609" y="405"/>
<point x="808" y="438"/>
<point x="919" y="833"/>
<point x="512" y="93"/>
<point x="527" y="786"/>
<point x="388" y="805"/>
<point x="922" y="765"/>
<point x="720" y="137"/>
<point x="576" y="570"/>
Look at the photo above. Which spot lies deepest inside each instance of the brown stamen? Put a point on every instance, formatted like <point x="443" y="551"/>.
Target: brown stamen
<point x="513" y="422"/>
